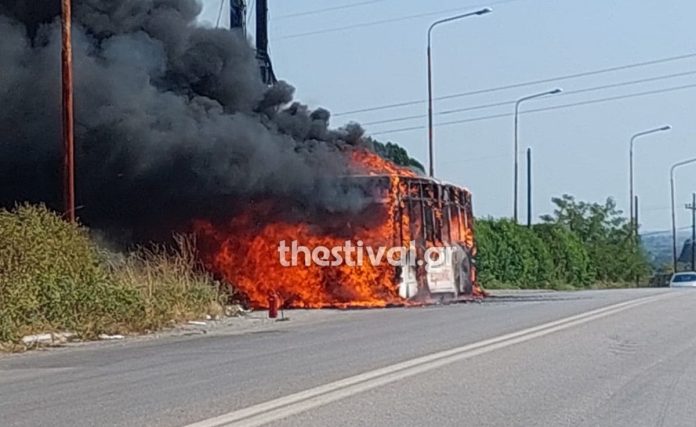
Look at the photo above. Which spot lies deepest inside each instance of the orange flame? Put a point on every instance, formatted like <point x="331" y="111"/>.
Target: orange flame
<point x="372" y="164"/>
<point x="245" y="250"/>
<point x="248" y="256"/>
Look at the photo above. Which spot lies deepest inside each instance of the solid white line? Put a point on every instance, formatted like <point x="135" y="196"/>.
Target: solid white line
<point x="283" y="407"/>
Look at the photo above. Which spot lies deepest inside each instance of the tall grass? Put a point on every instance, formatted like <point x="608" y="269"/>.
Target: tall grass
<point x="170" y="281"/>
<point x="53" y="277"/>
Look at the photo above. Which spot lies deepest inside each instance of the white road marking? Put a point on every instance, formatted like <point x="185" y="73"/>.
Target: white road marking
<point x="292" y="404"/>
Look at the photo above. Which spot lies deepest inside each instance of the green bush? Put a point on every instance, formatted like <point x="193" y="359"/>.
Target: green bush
<point x="52" y="278"/>
<point x="580" y="245"/>
<point x="571" y="262"/>
<point x="615" y="254"/>
<point x="513" y="255"/>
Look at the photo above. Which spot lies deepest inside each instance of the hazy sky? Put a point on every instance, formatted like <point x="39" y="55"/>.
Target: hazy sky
<point x="581" y="150"/>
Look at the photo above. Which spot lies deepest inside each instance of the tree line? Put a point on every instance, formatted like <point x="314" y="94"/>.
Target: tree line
<point x="579" y="245"/>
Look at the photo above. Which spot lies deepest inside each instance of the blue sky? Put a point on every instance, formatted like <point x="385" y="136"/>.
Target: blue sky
<point x="581" y="150"/>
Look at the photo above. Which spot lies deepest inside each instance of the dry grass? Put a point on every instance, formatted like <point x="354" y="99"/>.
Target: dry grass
<point x="172" y="285"/>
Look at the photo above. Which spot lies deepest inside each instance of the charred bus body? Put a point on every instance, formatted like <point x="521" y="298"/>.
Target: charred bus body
<point x="434" y="220"/>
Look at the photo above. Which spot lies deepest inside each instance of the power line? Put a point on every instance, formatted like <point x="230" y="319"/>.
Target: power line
<point x="522" y="84"/>
<point x="556" y="107"/>
<point x="389" y="20"/>
<point x="512" y="102"/>
<point x="328" y="9"/>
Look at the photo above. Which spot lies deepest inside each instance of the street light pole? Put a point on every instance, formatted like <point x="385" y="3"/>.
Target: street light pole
<point x="529" y="187"/>
<point x="68" y="113"/>
<point x="430" y="79"/>
<point x="631" y="198"/>
<point x="674" y="218"/>
<point x="516" y="148"/>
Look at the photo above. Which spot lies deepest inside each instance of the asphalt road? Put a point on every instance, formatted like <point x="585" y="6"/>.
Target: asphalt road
<point x="604" y="358"/>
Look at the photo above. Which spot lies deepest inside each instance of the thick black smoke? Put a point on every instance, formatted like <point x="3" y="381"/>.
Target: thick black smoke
<point x="172" y="120"/>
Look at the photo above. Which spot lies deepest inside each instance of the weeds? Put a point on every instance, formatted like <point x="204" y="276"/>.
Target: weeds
<point x="171" y="283"/>
<point x="54" y="278"/>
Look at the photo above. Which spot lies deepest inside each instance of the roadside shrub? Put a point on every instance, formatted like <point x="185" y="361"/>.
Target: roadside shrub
<point x="172" y="284"/>
<point x="580" y="245"/>
<point x="571" y="262"/>
<point x="52" y="277"/>
<point x="616" y="256"/>
<point x="513" y="255"/>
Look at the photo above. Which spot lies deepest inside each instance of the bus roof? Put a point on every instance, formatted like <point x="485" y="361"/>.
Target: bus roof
<point x="405" y="177"/>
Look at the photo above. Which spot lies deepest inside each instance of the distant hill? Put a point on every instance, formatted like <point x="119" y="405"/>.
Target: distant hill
<point x="659" y="247"/>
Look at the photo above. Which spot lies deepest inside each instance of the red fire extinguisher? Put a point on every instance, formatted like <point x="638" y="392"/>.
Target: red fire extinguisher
<point x="272" y="305"/>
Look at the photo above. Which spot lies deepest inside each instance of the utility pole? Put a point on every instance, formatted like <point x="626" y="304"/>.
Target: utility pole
<point x="68" y="113"/>
<point x="692" y="208"/>
<point x="634" y="232"/>
<point x="634" y="224"/>
<point x="238" y="15"/>
<point x="262" y="55"/>
<point x="529" y="187"/>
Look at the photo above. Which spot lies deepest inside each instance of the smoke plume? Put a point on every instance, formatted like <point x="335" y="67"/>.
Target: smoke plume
<point x="172" y="120"/>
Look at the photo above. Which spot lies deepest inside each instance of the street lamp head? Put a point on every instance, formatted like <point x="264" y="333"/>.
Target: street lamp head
<point x="484" y="11"/>
<point x="664" y="128"/>
<point x="555" y="91"/>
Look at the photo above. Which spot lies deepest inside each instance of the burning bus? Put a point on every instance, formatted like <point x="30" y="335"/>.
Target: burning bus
<point x="432" y="223"/>
<point x="429" y="222"/>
